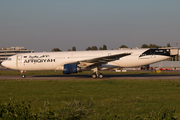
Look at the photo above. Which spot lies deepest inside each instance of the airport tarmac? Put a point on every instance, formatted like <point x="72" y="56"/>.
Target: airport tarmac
<point x="88" y="77"/>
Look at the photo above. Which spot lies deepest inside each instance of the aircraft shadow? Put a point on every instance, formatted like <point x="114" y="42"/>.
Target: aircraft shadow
<point x="63" y="76"/>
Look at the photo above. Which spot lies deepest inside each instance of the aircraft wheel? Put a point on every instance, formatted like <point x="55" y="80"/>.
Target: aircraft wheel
<point x="23" y="76"/>
<point x="100" y="75"/>
<point x="94" y="76"/>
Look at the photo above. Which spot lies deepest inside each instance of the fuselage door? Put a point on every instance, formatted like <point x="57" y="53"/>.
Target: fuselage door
<point x="19" y="61"/>
<point x="19" y="58"/>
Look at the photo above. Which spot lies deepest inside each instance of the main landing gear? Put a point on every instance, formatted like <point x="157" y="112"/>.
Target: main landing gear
<point x="22" y="74"/>
<point x="96" y="74"/>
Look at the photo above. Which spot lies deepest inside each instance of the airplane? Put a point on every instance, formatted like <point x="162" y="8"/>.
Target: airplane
<point x="77" y="61"/>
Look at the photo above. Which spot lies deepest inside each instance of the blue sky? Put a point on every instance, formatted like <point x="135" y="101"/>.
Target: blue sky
<point x="42" y="25"/>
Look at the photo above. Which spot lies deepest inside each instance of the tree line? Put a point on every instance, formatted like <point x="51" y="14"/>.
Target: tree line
<point x="105" y="47"/>
<point x="148" y="46"/>
<point x="88" y="48"/>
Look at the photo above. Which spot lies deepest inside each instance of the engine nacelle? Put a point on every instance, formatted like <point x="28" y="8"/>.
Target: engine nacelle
<point x="71" y="68"/>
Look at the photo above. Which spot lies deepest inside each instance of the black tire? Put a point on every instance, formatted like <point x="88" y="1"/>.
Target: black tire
<point x="101" y="76"/>
<point x="94" y="76"/>
<point x="23" y="76"/>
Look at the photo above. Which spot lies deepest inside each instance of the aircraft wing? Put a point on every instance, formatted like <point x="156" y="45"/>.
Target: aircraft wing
<point x="101" y="60"/>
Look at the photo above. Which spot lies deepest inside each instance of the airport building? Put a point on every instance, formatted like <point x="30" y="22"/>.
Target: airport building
<point x="166" y="65"/>
<point x="7" y="52"/>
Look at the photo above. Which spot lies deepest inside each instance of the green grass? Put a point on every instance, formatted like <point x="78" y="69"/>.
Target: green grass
<point x="126" y="99"/>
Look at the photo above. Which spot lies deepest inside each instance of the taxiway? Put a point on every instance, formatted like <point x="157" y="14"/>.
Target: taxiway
<point x="88" y="77"/>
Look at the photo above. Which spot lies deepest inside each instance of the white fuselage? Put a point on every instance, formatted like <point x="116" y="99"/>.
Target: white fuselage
<point x="56" y="60"/>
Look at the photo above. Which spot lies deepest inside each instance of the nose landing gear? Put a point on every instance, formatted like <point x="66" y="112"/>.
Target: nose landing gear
<point x="22" y="74"/>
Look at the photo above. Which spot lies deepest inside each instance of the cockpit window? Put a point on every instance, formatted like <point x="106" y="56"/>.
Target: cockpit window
<point x="9" y="59"/>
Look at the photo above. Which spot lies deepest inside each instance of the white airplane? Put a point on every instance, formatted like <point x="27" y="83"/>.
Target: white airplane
<point x="76" y="61"/>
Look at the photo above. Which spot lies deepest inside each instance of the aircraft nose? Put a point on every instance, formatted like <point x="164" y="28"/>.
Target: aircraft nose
<point x="4" y="63"/>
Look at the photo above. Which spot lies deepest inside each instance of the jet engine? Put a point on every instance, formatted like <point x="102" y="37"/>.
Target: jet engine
<point x="71" y="68"/>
